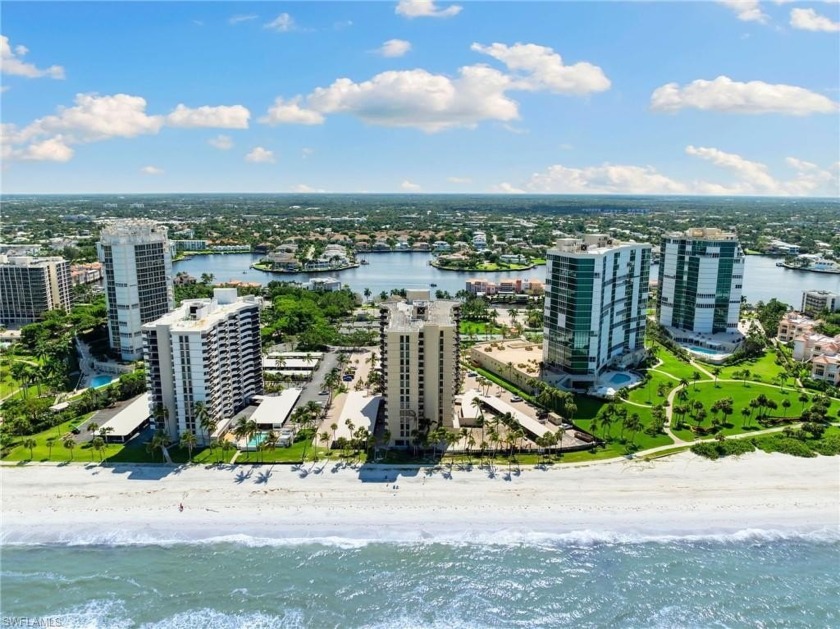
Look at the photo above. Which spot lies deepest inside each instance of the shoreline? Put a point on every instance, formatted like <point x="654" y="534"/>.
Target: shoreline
<point x="681" y="495"/>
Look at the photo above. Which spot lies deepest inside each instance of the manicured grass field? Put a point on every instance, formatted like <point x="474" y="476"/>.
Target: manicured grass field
<point x="741" y="395"/>
<point x="763" y="369"/>
<point x="479" y="327"/>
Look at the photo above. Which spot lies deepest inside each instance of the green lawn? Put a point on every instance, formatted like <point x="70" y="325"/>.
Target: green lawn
<point x="675" y="366"/>
<point x="479" y="327"/>
<point x="763" y="369"/>
<point x="741" y="395"/>
<point x="43" y="452"/>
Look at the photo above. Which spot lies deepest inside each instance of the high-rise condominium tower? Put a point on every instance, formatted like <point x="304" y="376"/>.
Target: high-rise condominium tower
<point x="420" y="345"/>
<point x="137" y="271"/>
<point x="595" y="300"/>
<point x="700" y="278"/>
<point x="208" y="351"/>
<point x="29" y="287"/>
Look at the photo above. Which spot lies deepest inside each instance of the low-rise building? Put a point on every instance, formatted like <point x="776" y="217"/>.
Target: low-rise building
<point x="794" y="324"/>
<point x="826" y="368"/>
<point x="326" y="284"/>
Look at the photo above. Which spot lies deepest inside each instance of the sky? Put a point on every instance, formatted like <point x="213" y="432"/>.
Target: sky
<point x="735" y="97"/>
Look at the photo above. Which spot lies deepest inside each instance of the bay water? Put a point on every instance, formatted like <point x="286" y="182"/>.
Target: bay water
<point x="748" y="579"/>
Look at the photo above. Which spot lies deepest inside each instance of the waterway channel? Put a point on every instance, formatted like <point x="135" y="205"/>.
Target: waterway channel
<point x="762" y="278"/>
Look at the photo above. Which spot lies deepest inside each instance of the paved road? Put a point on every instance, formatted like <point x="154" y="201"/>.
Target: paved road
<point x="312" y="390"/>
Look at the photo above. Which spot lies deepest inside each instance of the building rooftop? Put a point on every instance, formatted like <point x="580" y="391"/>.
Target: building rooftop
<point x="275" y="409"/>
<point x="361" y="409"/>
<point x="29" y="261"/>
<point x="128" y="419"/>
<point x="592" y="244"/>
<point x="201" y="314"/>
<point x="414" y="314"/>
<point x="704" y="233"/>
<point x="128" y="229"/>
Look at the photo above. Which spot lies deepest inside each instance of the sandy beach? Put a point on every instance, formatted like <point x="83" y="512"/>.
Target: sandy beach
<point x="679" y="495"/>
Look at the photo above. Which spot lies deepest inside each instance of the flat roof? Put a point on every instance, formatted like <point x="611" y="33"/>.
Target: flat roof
<point x="361" y="409"/>
<point x="528" y="423"/>
<point x="290" y="363"/>
<point x="275" y="409"/>
<point x="128" y="419"/>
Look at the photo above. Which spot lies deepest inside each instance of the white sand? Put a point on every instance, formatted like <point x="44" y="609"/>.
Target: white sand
<point x="682" y="494"/>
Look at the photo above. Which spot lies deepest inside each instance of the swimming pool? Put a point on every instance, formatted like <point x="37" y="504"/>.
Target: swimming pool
<point x="620" y="378"/>
<point x="100" y="381"/>
<point x="703" y="350"/>
<point x="256" y="440"/>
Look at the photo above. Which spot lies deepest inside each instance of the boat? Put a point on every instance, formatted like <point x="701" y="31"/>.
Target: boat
<point x="433" y="285"/>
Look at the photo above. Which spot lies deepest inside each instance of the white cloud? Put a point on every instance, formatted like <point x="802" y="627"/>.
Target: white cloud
<point x="11" y="62"/>
<point x="540" y="68"/>
<point x="394" y="48"/>
<point x="810" y="20"/>
<point x="290" y="112"/>
<point x="603" y="179"/>
<point x="746" y="10"/>
<point x="237" y="19"/>
<point x="260" y="155"/>
<point x="754" y="97"/>
<point x="49" y="150"/>
<point x="425" y="8"/>
<point x="302" y="187"/>
<point x="434" y="102"/>
<point x="410" y="186"/>
<point x="306" y="152"/>
<point x="459" y="180"/>
<point x="747" y="178"/>
<point x="283" y="23"/>
<point x="506" y="188"/>
<point x="221" y="142"/>
<point x="151" y="170"/>
<point x="222" y="117"/>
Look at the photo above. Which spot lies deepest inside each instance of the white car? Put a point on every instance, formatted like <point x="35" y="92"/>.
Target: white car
<point x="516" y="398"/>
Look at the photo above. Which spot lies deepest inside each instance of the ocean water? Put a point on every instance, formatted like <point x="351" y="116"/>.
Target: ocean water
<point x="747" y="579"/>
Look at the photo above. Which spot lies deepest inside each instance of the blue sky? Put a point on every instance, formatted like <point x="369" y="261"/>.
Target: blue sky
<point x="737" y="97"/>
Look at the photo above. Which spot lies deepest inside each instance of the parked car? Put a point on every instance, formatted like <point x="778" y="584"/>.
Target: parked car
<point x="323" y="392"/>
<point x="516" y="398"/>
<point x="347" y="377"/>
<point x="472" y="374"/>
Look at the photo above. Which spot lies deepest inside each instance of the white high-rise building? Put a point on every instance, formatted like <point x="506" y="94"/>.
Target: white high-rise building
<point x="205" y="351"/>
<point x="814" y="302"/>
<point x="595" y="304"/>
<point x="701" y="274"/>
<point x="29" y="287"/>
<point x="420" y="345"/>
<point x="137" y="270"/>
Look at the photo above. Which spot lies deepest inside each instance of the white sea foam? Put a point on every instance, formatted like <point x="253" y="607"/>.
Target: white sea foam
<point x="500" y="537"/>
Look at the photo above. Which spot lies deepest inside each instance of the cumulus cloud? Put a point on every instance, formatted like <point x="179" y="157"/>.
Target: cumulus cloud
<point x="260" y="155"/>
<point x="746" y="10"/>
<point x="11" y="62"/>
<point x="237" y="19"/>
<point x="306" y="152"/>
<point x="283" y="23"/>
<point x="434" y="102"/>
<point x="425" y="8"/>
<point x="754" y="97"/>
<point x="95" y="118"/>
<point x="410" y="186"/>
<point x="302" y="187"/>
<point x="394" y="48"/>
<point x="810" y="20"/>
<point x="151" y="170"/>
<point x="290" y="112"/>
<point x="222" y="117"/>
<point x="506" y="188"/>
<point x="221" y="142"/>
<point x="540" y="68"/>
<point x="747" y="177"/>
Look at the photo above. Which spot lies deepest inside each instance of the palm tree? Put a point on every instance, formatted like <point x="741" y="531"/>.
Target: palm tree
<point x="695" y="376"/>
<point x="98" y="444"/>
<point x="745" y="373"/>
<point x="226" y="446"/>
<point x="30" y="443"/>
<point x="785" y="405"/>
<point x="203" y="417"/>
<point x="188" y="441"/>
<point x="69" y="443"/>
<point x="50" y="443"/>
<point x="716" y="373"/>
<point x="92" y="427"/>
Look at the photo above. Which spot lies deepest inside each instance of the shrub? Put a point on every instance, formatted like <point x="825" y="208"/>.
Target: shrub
<point x="829" y="446"/>
<point x="786" y="445"/>
<point x="717" y="449"/>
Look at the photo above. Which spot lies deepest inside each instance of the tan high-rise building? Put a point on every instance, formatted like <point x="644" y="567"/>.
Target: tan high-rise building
<point x="420" y="347"/>
<point x="29" y="287"/>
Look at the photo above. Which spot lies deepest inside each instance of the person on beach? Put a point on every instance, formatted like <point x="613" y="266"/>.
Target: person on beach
<point x="180" y="506"/>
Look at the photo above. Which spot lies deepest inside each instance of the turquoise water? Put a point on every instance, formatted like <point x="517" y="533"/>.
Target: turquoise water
<point x="703" y="350"/>
<point x="752" y="579"/>
<point x="100" y="381"/>
<point x="620" y="378"/>
<point x="257" y="440"/>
